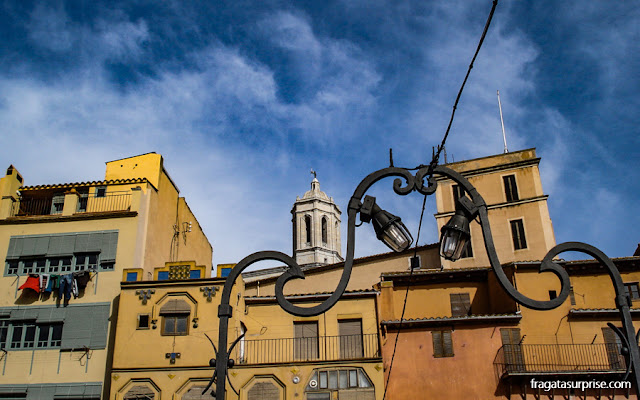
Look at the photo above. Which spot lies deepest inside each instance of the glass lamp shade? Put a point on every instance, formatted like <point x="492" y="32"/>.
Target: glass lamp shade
<point x="455" y="235"/>
<point x="390" y="229"/>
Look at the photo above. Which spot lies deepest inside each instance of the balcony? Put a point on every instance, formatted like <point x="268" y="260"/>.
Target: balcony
<point x="524" y="359"/>
<point x="54" y="205"/>
<point x="323" y="348"/>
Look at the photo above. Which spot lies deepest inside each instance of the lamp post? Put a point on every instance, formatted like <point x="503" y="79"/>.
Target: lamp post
<point x="390" y="229"/>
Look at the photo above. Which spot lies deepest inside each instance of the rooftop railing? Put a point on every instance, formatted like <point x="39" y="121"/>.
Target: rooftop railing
<point x="558" y="358"/>
<point x="54" y="205"/>
<point x="322" y="348"/>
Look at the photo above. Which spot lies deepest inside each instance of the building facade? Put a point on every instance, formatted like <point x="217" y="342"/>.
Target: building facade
<point x="66" y="248"/>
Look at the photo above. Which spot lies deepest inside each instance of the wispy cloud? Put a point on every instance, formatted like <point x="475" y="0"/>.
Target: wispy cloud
<point x="242" y="101"/>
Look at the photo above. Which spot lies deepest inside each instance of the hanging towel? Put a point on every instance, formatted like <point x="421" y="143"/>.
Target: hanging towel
<point x="44" y="282"/>
<point x="74" y="288"/>
<point x="53" y="284"/>
<point x="33" y="283"/>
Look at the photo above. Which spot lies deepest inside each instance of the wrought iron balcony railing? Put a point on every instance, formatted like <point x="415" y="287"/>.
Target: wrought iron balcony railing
<point x="322" y="348"/>
<point x="558" y="358"/>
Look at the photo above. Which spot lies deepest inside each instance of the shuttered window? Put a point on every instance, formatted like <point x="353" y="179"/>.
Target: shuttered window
<point x="263" y="391"/>
<point x="306" y="340"/>
<point x="633" y="291"/>
<point x="442" y="344"/>
<point x="517" y="234"/>
<point x="61" y="253"/>
<point x="510" y="188"/>
<point x="350" y="331"/>
<point x="512" y="349"/>
<point x="613" y="346"/>
<point x="140" y="392"/>
<point x="460" y="304"/>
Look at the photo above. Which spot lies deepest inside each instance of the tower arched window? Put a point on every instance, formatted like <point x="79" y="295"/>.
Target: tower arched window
<point x="324" y="230"/>
<point x="307" y="225"/>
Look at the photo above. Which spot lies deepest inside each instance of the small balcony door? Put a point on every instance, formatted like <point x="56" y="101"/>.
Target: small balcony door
<point x="350" y="338"/>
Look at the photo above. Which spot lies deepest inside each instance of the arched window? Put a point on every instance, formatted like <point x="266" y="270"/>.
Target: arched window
<point x="324" y="230"/>
<point x="307" y="225"/>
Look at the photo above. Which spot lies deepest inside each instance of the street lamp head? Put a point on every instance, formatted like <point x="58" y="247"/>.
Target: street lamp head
<point x="389" y="228"/>
<point x="455" y="235"/>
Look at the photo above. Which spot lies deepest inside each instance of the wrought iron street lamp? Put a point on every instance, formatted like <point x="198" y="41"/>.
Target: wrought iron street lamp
<point x="394" y="234"/>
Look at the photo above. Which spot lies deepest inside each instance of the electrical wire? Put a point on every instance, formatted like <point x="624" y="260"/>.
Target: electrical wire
<point x="406" y="295"/>
<point x="436" y="156"/>
<point x="434" y="162"/>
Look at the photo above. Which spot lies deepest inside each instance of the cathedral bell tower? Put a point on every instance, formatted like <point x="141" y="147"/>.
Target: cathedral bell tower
<point x="316" y="228"/>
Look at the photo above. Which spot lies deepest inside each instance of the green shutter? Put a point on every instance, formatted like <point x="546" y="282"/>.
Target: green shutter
<point x="94" y="242"/>
<point x="100" y="326"/>
<point x="109" y="247"/>
<point x="63" y="245"/>
<point x="82" y="243"/>
<point x="86" y="325"/>
<point x="15" y="248"/>
<point x="49" y="315"/>
<point x="28" y="246"/>
<point x="41" y="246"/>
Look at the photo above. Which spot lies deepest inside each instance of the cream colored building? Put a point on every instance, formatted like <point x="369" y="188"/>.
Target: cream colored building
<point x="517" y="206"/>
<point x="124" y="227"/>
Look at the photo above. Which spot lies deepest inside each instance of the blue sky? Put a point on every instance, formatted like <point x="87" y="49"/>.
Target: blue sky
<point x="243" y="98"/>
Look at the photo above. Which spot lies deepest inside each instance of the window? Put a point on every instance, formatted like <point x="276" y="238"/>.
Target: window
<point x="175" y="317"/>
<point x="143" y="321"/>
<point x="194" y="274"/>
<point x="458" y="192"/>
<point x="632" y="290"/>
<point x="350" y="331"/>
<point x="12" y="267"/>
<point x="86" y="261"/>
<point x="28" y="335"/>
<point x="263" y="391"/>
<point x="613" y="346"/>
<point x="517" y="233"/>
<point x="510" y="188"/>
<point x="4" y="332"/>
<point x="305" y="346"/>
<point x="324" y="230"/>
<point x="49" y="335"/>
<point x="175" y="325"/>
<point x="460" y="304"/>
<point x="23" y="335"/>
<point x="57" y="204"/>
<point x="163" y="275"/>
<point x="552" y="294"/>
<point x="101" y="191"/>
<point x="442" y="344"/>
<point x="572" y="296"/>
<point x="340" y="379"/>
<point x="513" y="357"/>
<point x="467" y="252"/>
<point x="132" y="276"/>
<point x="415" y="262"/>
<point x="307" y="226"/>
<point x="59" y="264"/>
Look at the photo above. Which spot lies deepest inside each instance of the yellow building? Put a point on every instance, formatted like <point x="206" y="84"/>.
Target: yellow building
<point x="89" y="236"/>
<point x="510" y="185"/>
<point x="462" y="336"/>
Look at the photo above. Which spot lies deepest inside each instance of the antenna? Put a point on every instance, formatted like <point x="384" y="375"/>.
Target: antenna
<point x="504" y="136"/>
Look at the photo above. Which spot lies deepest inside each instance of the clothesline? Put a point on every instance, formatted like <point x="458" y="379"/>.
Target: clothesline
<point x="66" y="285"/>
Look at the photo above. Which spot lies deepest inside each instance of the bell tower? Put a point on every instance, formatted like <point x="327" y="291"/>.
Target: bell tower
<point x="316" y="228"/>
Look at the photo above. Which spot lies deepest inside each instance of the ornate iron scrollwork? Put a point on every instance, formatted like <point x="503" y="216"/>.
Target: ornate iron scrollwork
<point x="405" y="183"/>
